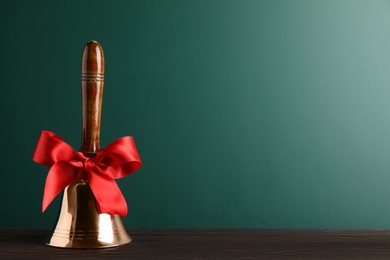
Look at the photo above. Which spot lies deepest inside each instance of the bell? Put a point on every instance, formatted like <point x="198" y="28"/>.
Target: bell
<point x="80" y="225"/>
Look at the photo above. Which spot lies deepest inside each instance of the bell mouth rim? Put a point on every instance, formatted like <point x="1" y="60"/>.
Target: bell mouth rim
<point x="85" y="243"/>
<point x="91" y="245"/>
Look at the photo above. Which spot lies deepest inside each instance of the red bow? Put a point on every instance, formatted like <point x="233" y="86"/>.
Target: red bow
<point x="117" y="160"/>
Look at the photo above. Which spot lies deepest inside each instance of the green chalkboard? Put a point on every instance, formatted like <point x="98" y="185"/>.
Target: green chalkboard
<point x="247" y="114"/>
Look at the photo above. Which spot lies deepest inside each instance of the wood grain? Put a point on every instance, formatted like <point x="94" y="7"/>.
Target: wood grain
<point x="212" y="244"/>
<point x="92" y="82"/>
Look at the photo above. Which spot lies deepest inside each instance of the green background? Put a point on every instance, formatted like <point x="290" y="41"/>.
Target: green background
<point x="246" y="114"/>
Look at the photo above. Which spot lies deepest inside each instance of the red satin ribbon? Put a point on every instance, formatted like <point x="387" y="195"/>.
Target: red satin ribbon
<point x="117" y="160"/>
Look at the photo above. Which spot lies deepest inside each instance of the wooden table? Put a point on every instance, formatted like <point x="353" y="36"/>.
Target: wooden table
<point x="211" y="244"/>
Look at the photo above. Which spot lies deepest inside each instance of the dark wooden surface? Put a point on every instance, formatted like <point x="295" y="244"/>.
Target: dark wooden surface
<point x="212" y="244"/>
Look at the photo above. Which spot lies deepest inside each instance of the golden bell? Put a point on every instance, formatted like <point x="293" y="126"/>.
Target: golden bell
<point x="81" y="226"/>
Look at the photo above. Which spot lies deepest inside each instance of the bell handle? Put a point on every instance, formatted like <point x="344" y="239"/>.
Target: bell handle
<point x="92" y="83"/>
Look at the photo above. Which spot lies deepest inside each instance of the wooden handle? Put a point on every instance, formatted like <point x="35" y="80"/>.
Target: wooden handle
<point x="92" y="82"/>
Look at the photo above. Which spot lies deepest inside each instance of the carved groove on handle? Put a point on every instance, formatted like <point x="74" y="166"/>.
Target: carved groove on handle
<point x="92" y="76"/>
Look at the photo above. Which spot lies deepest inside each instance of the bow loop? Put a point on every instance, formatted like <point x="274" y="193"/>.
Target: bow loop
<point x="120" y="163"/>
<point x="51" y="149"/>
<point x="117" y="160"/>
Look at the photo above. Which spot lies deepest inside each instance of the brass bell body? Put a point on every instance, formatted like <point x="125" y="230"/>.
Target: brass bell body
<point x="81" y="226"/>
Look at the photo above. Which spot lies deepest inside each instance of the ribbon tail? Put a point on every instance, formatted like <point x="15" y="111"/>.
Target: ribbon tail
<point x="109" y="198"/>
<point x="61" y="174"/>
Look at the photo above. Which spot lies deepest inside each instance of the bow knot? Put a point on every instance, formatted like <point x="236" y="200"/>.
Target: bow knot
<point x="89" y="164"/>
<point x="117" y="160"/>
